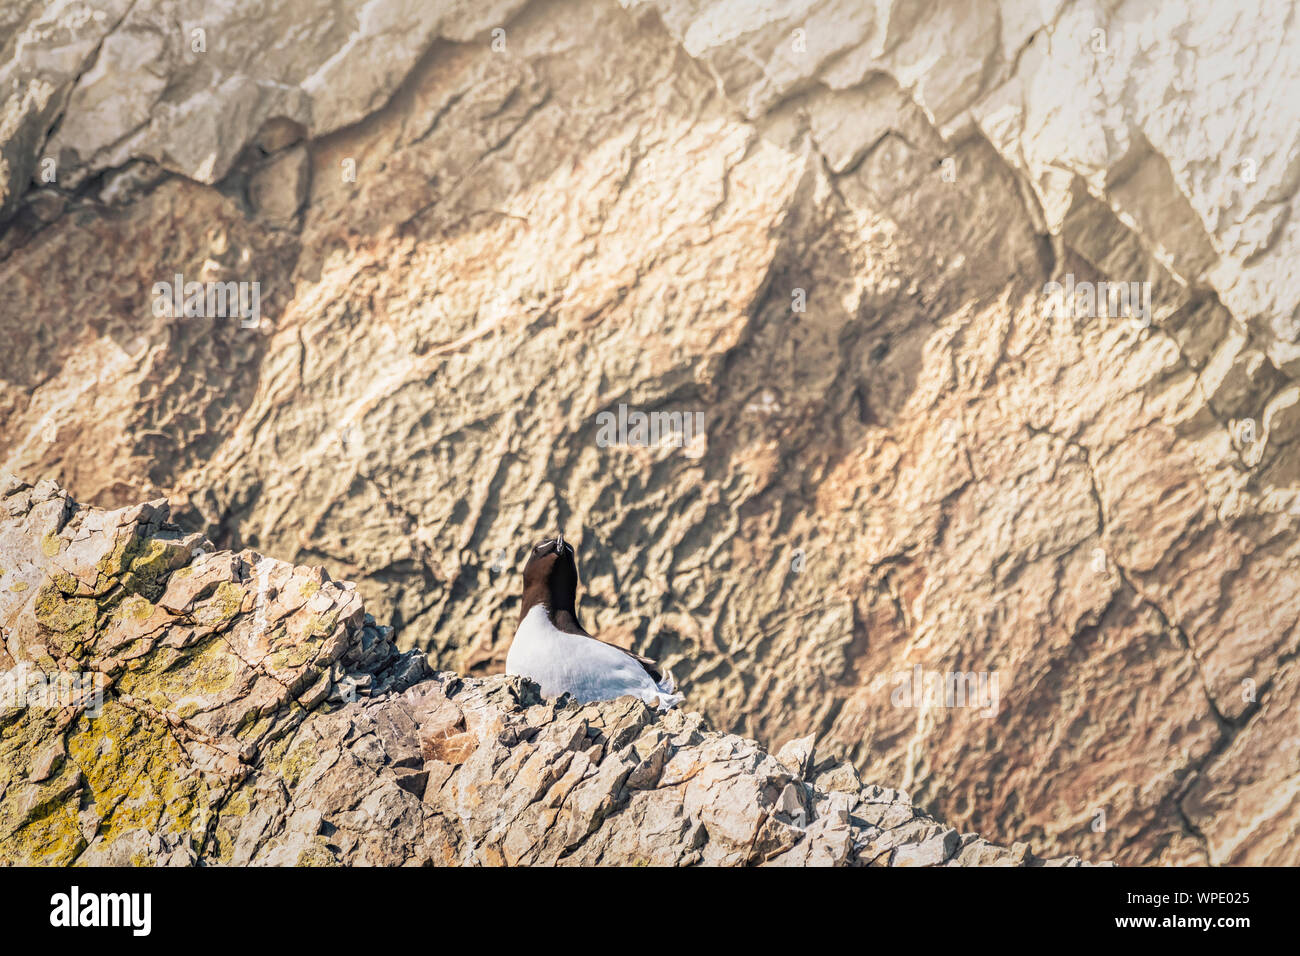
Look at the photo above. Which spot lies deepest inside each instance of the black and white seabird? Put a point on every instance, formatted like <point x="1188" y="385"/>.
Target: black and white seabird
<point x="552" y="648"/>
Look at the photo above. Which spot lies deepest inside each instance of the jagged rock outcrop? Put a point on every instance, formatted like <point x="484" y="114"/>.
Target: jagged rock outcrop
<point x="234" y="709"/>
<point x="477" y="226"/>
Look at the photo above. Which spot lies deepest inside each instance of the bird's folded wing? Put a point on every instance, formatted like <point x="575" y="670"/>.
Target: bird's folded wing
<point x="650" y="665"/>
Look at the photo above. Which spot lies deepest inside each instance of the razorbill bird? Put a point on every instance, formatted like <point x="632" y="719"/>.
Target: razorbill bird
<point x="552" y="648"/>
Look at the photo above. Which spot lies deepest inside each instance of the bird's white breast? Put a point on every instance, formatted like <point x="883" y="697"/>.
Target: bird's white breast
<point x="572" y="663"/>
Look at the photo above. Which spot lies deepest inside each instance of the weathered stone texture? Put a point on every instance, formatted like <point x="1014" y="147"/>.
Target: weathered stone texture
<point x="471" y="242"/>
<point x="252" y="713"/>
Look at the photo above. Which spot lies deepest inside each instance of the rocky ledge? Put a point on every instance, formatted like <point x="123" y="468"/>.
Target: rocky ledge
<point x="162" y="702"/>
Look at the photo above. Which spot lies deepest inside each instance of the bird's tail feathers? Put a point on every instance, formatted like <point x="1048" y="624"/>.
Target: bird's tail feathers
<point x="667" y="685"/>
<point x="669" y="701"/>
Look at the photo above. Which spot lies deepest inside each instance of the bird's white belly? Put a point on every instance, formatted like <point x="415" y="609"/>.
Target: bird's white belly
<point x="571" y="663"/>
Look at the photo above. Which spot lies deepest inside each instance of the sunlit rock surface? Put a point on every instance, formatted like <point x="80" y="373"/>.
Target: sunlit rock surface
<point x="828" y="228"/>
<point x="235" y="709"/>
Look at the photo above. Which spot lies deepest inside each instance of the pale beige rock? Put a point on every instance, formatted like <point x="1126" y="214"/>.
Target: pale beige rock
<point x="189" y="85"/>
<point x="44" y="49"/>
<point x="1176" y="115"/>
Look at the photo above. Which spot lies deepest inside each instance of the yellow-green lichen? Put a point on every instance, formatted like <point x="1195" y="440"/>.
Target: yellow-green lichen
<point x="224" y="605"/>
<point x="228" y="821"/>
<point x="253" y="726"/>
<point x="136" y="773"/>
<point x="112" y="565"/>
<point x="39" y="822"/>
<point x="170" y="678"/>
<point x="134" y="608"/>
<point x="50" y="834"/>
<point x="146" y="564"/>
<point x="288" y="656"/>
<point x="138" y="565"/>
<point x="50" y="544"/>
<point x="301" y="757"/>
<point x="316" y="853"/>
<point x="238" y="805"/>
<point x="65" y="582"/>
<point x="323" y="624"/>
<point x="72" y="619"/>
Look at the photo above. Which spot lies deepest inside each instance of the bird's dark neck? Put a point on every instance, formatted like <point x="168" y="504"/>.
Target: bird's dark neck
<point x="559" y="605"/>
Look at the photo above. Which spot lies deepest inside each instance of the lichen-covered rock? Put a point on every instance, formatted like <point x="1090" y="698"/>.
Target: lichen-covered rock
<point x="246" y="711"/>
<point x="827" y="228"/>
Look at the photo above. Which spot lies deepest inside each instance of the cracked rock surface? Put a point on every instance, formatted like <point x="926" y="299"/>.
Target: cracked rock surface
<point x="827" y="227"/>
<point x="247" y="711"/>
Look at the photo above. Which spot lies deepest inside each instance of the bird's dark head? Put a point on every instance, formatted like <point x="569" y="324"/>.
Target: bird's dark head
<point x="551" y="576"/>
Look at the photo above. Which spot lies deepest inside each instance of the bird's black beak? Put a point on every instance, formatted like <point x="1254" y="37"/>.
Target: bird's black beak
<point x="559" y="544"/>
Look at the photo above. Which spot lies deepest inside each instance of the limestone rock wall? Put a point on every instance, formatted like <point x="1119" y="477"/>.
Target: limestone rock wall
<point x="827" y="228"/>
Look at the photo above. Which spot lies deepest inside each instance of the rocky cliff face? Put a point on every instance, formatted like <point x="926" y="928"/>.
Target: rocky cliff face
<point x="162" y="703"/>
<point x="827" y="228"/>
